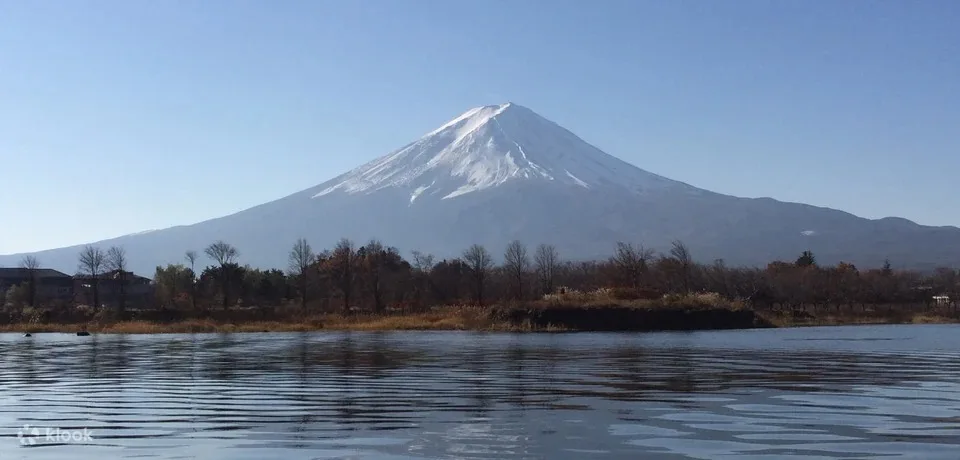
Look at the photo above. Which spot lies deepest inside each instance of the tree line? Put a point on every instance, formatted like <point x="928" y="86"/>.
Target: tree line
<point x="376" y="278"/>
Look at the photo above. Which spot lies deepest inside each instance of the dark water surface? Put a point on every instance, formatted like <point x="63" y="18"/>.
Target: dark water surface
<point x="886" y="392"/>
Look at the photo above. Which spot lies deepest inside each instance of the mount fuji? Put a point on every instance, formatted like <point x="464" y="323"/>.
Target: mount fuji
<point x="502" y="172"/>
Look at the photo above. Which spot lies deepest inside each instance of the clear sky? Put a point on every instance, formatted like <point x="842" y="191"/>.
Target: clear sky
<point x="119" y="116"/>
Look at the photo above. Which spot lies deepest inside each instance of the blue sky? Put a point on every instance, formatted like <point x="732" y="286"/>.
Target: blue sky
<point x="119" y="116"/>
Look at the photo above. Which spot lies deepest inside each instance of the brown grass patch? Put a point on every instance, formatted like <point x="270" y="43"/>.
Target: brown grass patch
<point x="454" y="318"/>
<point x="858" y="319"/>
<point x="607" y="297"/>
<point x="465" y="318"/>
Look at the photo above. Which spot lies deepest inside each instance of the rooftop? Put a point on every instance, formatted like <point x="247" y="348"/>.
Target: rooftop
<point x="21" y="273"/>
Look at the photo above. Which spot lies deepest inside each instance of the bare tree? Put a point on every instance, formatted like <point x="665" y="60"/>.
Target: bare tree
<point x="301" y="256"/>
<point x="681" y="254"/>
<point x="517" y="264"/>
<point x="191" y="257"/>
<point x="116" y="261"/>
<point x="31" y="265"/>
<point x="343" y="261"/>
<point x="374" y="264"/>
<point x="91" y="265"/>
<point x="224" y="255"/>
<point x="631" y="261"/>
<point x="479" y="262"/>
<point x="422" y="265"/>
<point x="547" y="261"/>
<point x="422" y="262"/>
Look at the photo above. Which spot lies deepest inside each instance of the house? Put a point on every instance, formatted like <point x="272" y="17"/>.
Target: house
<point x="51" y="284"/>
<point x="137" y="290"/>
<point x="941" y="300"/>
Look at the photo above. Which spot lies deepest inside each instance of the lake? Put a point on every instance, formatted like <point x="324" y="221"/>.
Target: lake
<point x="861" y="392"/>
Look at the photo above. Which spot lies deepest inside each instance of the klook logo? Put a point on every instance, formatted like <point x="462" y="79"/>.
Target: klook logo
<point x="30" y="436"/>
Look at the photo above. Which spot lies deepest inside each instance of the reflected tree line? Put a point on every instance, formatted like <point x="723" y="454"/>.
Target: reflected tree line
<point x="478" y="376"/>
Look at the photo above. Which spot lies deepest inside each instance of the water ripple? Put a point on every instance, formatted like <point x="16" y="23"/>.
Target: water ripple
<point x="830" y="393"/>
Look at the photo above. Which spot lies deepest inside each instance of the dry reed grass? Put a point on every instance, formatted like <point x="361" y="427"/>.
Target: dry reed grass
<point x="466" y="318"/>
<point x="607" y="297"/>
<point x="453" y="318"/>
<point x="858" y="319"/>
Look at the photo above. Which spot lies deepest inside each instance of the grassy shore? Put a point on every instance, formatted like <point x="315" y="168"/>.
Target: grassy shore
<point x="598" y="311"/>
<point x="861" y="319"/>
<point x="451" y="319"/>
<point x="448" y="318"/>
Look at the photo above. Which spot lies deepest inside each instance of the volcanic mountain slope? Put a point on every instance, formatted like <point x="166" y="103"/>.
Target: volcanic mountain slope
<point x="502" y="172"/>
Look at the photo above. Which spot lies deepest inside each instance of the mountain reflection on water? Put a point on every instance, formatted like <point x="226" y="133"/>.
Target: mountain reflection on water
<point x="814" y="393"/>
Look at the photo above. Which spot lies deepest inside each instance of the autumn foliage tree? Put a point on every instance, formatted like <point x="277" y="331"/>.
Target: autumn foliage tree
<point x="172" y="282"/>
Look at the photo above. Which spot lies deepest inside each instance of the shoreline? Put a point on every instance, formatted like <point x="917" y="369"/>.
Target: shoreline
<point x="501" y="319"/>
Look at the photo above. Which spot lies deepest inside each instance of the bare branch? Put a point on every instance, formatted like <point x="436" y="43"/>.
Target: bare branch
<point x="681" y="255"/>
<point x="91" y="264"/>
<point x="191" y="257"/>
<point x="547" y="261"/>
<point x="517" y="264"/>
<point x="479" y="261"/>
<point x="422" y="262"/>
<point x="30" y="263"/>
<point x="91" y="261"/>
<point x="632" y="261"/>
<point x="343" y="261"/>
<point x="301" y="256"/>
<point x="116" y="259"/>
<point x="222" y="253"/>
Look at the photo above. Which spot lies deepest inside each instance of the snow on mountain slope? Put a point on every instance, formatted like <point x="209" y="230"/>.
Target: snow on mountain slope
<point x="489" y="146"/>
<point x="499" y="173"/>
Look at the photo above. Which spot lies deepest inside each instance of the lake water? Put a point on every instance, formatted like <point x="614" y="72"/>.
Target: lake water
<point x="885" y="392"/>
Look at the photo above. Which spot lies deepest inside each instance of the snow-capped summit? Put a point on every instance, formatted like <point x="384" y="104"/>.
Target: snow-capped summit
<point x="489" y="146"/>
